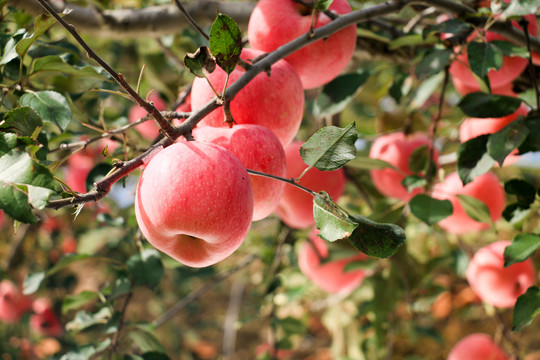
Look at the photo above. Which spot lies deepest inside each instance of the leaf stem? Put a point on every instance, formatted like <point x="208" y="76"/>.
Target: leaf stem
<point x="288" y="181"/>
<point x="190" y="19"/>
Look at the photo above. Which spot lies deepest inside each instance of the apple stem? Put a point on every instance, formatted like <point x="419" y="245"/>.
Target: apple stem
<point x="279" y="178"/>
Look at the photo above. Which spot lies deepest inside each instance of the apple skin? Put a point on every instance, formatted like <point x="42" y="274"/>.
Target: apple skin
<point x="330" y="276"/>
<point x="495" y="284"/>
<point x="194" y="202"/>
<point x="296" y="206"/>
<point x="13" y="304"/>
<point x="276" y="22"/>
<point x="475" y="347"/>
<point x="396" y="149"/>
<point x="148" y="129"/>
<point x="511" y="68"/>
<point x="258" y="149"/>
<point x="276" y="102"/>
<point x="485" y="187"/>
<point x="44" y="320"/>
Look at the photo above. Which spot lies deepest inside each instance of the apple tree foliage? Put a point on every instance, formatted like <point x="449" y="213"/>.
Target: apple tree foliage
<point x="140" y="304"/>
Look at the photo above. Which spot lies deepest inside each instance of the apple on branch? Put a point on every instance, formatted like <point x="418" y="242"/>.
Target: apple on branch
<point x="194" y="202"/>
<point x="274" y="99"/>
<point x="475" y="347"/>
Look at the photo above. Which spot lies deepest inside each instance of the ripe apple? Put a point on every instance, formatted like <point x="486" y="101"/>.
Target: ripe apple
<point x="276" y="22"/>
<point x="44" y="320"/>
<point x="475" y="347"/>
<point x="194" y="202"/>
<point x="13" y="304"/>
<point x="330" y="276"/>
<point x="495" y="284"/>
<point x="485" y="187"/>
<point x="275" y="101"/>
<point x="296" y="206"/>
<point x="396" y="149"/>
<point x="148" y="129"/>
<point x="511" y="68"/>
<point x="258" y="149"/>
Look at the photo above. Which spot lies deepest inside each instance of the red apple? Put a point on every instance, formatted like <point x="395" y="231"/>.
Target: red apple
<point x="13" y="304"/>
<point x="330" y="276"/>
<point x="396" y="149"/>
<point x="148" y="129"/>
<point x="45" y="321"/>
<point x="296" y="206"/>
<point x="485" y="187"/>
<point x="276" y="22"/>
<point x="477" y="347"/>
<point x="194" y="202"/>
<point x="258" y="149"/>
<point x="511" y="68"/>
<point x="275" y="101"/>
<point x="495" y="284"/>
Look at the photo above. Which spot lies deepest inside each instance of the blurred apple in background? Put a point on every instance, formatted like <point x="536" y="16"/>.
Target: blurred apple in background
<point x="485" y="188"/>
<point x="330" y="276"/>
<point x="495" y="284"/>
<point x="396" y="149"/>
<point x="477" y="347"/>
<point x="296" y="206"/>
<point x="44" y="321"/>
<point x="13" y="304"/>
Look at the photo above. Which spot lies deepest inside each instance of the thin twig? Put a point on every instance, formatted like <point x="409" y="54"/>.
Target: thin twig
<point x="151" y="109"/>
<point x="190" y="19"/>
<point x="121" y="323"/>
<point x="532" y="72"/>
<point x="288" y="181"/>
<point x="179" y="306"/>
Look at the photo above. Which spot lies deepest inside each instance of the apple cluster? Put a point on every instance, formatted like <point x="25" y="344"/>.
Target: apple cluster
<point x="215" y="199"/>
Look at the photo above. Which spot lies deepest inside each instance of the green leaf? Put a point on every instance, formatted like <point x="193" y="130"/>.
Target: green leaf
<point x="522" y="247"/>
<point x="50" y="105"/>
<point x="17" y="172"/>
<point x="23" y="121"/>
<point x="376" y="240"/>
<point x="475" y="209"/>
<point x="41" y="24"/>
<point x="323" y="5"/>
<point x="506" y="140"/>
<point x="32" y="282"/>
<point x="201" y="63"/>
<point x="10" y="49"/>
<point x="419" y="159"/>
<point x="145" y="339"/>
<point x="367" y="163"/>
<point x="433" y="62"/>
<point x="412" y="182"/>
<point x="330" y="148"/>
<point x="509" y="49"/>
<point x="58" y="63"/>
<point x="482" y="105"/>
<point x="532" y="142"/>
<point x="333" y="222"/>
<point x="452" y="26"/>
<point x="526" y="308"/>
<point x="83" y="319"/>
<point x="290" y="325"/>
<point x="515" y="214"/>
<point x="524" y="191"/>
<point x="38" y="197"/>
<point x="430" y="210"/>
<point x="483" y="57"/>
<point x="473" y="158"/>
<point x="72" y="302"/>
<point x="146" y="268"/>
<point x="337" y="94"/>
<point x="97" y="173"/>
<point x="225" y="42"/>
